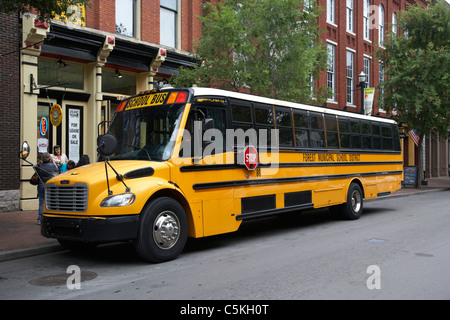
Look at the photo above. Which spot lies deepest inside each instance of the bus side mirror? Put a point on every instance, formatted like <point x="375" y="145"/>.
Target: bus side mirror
<point x="106" y="144"/>
<point x="25" y="151"/>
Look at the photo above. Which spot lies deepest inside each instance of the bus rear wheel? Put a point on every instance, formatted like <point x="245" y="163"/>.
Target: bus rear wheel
<point x="162" y="231"/>
<point x="353" y="208"/>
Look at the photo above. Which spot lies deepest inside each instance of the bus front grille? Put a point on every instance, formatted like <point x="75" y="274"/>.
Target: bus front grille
<point x="72" y="198"/>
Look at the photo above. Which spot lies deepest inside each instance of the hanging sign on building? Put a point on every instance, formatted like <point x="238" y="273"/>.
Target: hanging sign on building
<point x="56" y="115"/>
<point x="368" y="100"/>
<point x="43" y="126"/>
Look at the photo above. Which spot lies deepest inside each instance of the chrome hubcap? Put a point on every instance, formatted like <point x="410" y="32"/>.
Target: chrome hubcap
<point x="356" y="201"/>
<point x="166" y="230"/>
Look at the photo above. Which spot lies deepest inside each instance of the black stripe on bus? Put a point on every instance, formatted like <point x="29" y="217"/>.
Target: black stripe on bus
<point x="210" y="167"/>
<point x="241" y="183"/>
<point x="271" y="212"/>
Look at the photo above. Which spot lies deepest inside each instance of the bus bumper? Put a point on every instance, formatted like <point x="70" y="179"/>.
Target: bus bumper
<point x="90" y="229"/>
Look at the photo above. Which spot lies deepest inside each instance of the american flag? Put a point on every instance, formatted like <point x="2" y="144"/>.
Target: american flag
<point x="414" y="137"/>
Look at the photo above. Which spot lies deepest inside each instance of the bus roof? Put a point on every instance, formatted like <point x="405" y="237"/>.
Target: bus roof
<point x="243" y="96"/>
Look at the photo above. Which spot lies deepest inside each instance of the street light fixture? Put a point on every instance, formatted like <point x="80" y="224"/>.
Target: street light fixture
<point x="362" y="85"/>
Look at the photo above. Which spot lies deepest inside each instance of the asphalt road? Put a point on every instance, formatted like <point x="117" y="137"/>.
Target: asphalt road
<point x="398" y="249"/>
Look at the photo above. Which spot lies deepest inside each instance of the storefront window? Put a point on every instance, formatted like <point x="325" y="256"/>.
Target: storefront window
<point x="118" y="82"/>
<point x="60" y="73"/>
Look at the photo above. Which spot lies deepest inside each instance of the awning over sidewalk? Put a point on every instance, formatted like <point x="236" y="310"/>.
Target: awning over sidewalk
<point x="84" y="44"/>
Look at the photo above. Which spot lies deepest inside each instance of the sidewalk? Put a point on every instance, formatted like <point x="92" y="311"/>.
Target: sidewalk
<point x="20" y="234"/>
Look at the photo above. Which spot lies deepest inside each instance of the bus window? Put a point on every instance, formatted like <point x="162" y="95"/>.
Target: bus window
<point x="317" y="135"/>
<point x="396" y="137"/>
<point x="301" y="129"/>
<point x="332" y="131"/>
<point x="355" y="127"/>
<point x="263" y="116"/>
<point x="344" y="132"/>
<point x="386" y="132"/>
<point x="366" y="135"/>
<point x="284" y="126"/>
<point x="241" y="113"/>
<point x="264" y="121"/>
<point x="376" y="136"/>
<point x="219" y="117"/>
<point x="216" y="135"/>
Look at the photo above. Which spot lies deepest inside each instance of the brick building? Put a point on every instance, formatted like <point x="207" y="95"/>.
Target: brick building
<point x="354" y="29"/>
<point x="10" y="111"/>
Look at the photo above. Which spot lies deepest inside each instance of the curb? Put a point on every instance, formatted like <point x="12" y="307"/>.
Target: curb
<point x="407" y="194"/>
<point x="28" y="252"/>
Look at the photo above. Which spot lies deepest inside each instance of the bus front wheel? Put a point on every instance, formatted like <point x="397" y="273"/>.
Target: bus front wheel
<point x="352" y="209"/>
<point x="162" y="231"/>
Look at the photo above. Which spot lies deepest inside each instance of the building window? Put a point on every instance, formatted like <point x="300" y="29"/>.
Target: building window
<point x="168" y="23"/>
<point x="331" y="11"/>
<point x="367" y="71"/>
<point x="331" y="83"/>
<point x="311" y="85"/>
<point x="366" y="19"/>
<point x="381" y="23"/>
<point x="394" y="24"/>
<point x="126" y="17"/>
<point x="124" y="85"/>
<point x="381" y="87"/>
<point x="59" y="73"/>
<point x="350" y="68"/>
<point x="308" y="6"/>
<point x="350" y="16"/>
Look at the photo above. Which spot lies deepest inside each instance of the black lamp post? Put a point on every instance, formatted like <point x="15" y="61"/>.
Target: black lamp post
<point x="362" y="85"/>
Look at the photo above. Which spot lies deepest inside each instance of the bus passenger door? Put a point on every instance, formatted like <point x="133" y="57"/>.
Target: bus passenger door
<point x="204" y="171"/>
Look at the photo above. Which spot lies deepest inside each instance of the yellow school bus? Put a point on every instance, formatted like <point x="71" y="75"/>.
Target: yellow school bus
<point x="179" y="163"/>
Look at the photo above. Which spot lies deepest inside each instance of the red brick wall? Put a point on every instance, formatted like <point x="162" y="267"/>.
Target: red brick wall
<point x="102" y="15"/>
<point x="150" y="21"/>
<point x="191" y="26"/>
<point x="9" y="101"/>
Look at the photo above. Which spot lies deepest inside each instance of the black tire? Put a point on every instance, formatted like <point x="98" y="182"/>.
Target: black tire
<point x="353" y="208"/>
<point x="162" y="230"/>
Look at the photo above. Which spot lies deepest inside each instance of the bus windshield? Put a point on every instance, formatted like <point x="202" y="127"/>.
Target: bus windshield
<point x="147" y="133"/>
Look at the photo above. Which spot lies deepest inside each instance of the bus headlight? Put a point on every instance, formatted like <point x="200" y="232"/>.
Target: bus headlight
<point x="119" y="200"/>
